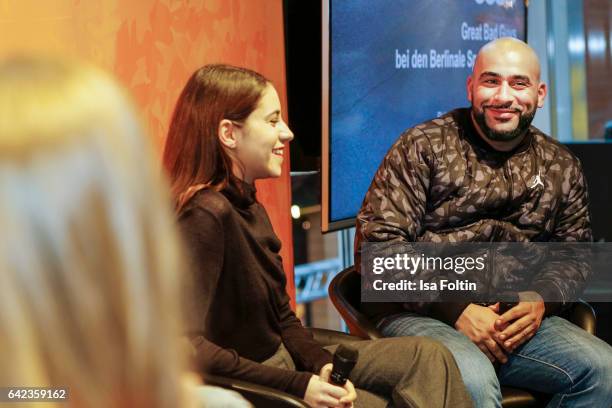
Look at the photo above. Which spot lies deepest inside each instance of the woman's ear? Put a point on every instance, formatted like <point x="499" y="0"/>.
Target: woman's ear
<point x="226" y="134"/>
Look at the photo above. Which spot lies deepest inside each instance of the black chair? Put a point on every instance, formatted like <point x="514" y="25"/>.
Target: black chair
<point x="345" y="294"/>
<point x="266" y="397"/>
<point x="258" y="395"/>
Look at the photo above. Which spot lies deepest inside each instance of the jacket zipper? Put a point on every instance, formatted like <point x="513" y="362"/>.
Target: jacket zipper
<point x="508" y="175"/>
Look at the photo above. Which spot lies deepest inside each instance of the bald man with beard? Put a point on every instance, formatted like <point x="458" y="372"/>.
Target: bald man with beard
<point x="485" y="174"/>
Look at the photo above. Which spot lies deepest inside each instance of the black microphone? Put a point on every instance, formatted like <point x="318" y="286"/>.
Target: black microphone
<point x="345" y="359"/>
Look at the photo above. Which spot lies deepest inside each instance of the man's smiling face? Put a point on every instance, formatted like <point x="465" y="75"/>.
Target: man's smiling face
<point x="505" y="89"/>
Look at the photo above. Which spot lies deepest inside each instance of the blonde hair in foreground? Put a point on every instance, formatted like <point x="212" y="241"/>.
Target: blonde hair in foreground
<point x="88" y="257"/>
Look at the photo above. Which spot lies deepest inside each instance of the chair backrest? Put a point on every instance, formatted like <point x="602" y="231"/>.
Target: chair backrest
<point x="582" y="315"/>
<point x="345" y="294"/>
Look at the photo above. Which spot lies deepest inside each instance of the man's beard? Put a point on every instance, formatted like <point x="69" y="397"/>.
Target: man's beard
<point x="525" y="120"/>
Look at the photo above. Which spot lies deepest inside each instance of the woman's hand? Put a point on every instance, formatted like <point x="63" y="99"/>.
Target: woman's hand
<point x="321" y="394"/>
<point x="350" y="397"/>
<point x="348" y="400"/>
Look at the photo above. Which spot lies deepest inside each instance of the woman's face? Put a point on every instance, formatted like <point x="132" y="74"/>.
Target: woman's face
<point x="260" y="140"/>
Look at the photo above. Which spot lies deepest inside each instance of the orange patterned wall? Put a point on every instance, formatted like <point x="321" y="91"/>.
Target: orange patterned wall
<point x="152" y="46"/>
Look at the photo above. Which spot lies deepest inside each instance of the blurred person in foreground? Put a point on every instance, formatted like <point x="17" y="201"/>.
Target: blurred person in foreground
<point x="89" y="261"/>
<point x="226" y="132"/>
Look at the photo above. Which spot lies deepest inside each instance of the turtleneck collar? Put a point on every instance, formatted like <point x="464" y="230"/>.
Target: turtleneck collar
<point x="240" y="193"/>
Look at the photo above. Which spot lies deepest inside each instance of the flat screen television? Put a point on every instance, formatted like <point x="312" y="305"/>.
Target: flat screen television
<point x="387" y="66"/>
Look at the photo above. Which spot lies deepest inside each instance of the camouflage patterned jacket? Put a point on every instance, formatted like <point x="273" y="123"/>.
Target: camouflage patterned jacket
<point x="440" y="182"/>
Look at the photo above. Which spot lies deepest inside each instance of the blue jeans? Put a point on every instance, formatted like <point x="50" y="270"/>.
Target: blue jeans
<point x="561" y="359"/>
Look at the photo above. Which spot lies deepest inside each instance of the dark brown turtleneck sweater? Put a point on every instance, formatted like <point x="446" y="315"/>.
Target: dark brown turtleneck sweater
<point x="237" y="308"/>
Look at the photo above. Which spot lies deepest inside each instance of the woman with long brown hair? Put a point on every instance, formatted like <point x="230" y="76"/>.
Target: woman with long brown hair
<point x="227" y="131"/>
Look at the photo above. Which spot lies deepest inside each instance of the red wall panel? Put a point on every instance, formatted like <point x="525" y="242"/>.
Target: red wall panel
<point x="152" y="46"/>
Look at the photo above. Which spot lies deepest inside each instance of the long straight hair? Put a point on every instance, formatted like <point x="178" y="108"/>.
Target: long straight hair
<point x="193" y="156"/>
<point x="89" y="258"/>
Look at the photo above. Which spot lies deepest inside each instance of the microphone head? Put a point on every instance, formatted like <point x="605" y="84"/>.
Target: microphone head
<point x="344" y="360"/>
<point x="347" y="353"/>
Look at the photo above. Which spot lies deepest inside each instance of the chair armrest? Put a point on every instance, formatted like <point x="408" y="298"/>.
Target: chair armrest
<point x="359" y="325"/>
<point x="365" y="328"/>
<point x="583" y="315"/>
<point x="340" y="289"/>
<point x="327" y="337"/>
<point x="256" y="394"/>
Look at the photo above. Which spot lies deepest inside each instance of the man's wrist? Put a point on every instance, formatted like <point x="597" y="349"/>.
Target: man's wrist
<point x="530" y="296"/>
<point x="447" y="312"/>
<point x="548" y="291"/>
